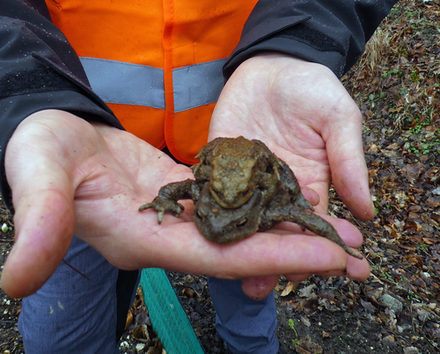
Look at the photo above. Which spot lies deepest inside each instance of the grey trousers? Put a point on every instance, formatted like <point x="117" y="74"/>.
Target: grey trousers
<point x="72" y="314"/>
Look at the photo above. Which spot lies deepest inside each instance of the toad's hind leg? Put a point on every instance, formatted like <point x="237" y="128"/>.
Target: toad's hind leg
<point x="319" y="226"/>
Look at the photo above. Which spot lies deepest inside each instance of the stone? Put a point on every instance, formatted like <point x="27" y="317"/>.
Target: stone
<point x="410" y="350"/>
<point x="392" y="303"/>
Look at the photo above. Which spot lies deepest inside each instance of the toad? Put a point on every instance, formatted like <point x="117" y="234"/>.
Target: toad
<point x="240" y="188"/>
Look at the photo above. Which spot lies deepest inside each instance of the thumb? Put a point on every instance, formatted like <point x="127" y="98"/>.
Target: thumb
<point x="44" y="216"/>
<point x="258" y="287"/>
<point x="43" y="230"/>
<point x="348" y="167"/>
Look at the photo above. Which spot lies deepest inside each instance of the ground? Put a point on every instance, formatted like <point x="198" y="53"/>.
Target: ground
<point x="396" y="84"/>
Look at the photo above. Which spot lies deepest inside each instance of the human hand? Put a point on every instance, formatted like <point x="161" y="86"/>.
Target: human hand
<point x="69" y="176"/>
<point x="307" y="118"/>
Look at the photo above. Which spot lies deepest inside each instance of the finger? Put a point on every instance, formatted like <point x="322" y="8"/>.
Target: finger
<point x="258" y="288"/>
<point x="297" y="277"/>
<point x="263" y="254"/>
<point x="347" y="164"/>
<point x="358" y="269"/>
<point x="310" y="195"/>
<point x="348" y="232"/>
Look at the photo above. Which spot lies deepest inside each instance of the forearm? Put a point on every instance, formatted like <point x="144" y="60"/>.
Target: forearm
<point x="329" y="32"/>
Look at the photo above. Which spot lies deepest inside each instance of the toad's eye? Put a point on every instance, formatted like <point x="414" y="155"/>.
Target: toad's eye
<point x="242" y="221"/>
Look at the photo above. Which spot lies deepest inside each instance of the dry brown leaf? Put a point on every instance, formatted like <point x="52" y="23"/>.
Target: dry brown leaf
<point x="290" y="288"/>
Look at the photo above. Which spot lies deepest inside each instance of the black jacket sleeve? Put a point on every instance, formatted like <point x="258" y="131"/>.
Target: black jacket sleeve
<point x="329" y="32"/>
<point x="39" y="70"/>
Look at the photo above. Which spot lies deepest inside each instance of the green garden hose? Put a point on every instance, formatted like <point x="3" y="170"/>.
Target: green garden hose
<point x="168" y="318"/>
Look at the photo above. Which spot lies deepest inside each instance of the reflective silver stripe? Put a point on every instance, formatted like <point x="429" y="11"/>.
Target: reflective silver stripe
<point x="142" y="85"/>
<point x="197" y="85"/>
<point x="125" y="83"/>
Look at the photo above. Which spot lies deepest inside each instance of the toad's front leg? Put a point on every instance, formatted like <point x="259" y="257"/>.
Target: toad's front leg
<point x="168" y="196"/>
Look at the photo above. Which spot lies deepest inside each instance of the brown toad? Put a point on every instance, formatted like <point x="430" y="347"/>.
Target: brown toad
<point x="240" y="188"/>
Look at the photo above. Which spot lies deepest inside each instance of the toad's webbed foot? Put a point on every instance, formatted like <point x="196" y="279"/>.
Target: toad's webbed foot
<point x="168" y="196"/>
<point x="162" y="205"/>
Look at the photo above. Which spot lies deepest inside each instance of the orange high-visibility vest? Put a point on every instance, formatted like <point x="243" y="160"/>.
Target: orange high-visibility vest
<point x="158" y="64"/>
